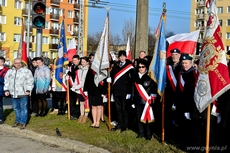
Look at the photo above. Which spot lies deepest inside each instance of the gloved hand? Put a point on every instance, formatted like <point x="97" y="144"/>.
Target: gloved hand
<point x="187" y="115"/>
<point x="218" y="119"/>
<point x="72" y="89"/>
<point x="173" y="107"/>
<point x="86" y="93"/>
<point x="109" y="79"/>
<point x="133" y="106"/>
<point x="128" y="96"/>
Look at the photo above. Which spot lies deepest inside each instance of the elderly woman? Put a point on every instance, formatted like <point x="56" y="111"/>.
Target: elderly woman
<point x="145" y="92"/>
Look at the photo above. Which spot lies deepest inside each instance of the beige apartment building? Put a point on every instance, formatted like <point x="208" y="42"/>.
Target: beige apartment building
<point x="199" y="16"/>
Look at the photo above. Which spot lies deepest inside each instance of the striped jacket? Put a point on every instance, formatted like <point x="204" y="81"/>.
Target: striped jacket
<point x="18" y="82"/>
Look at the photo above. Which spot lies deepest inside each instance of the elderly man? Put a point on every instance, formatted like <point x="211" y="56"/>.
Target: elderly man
<point x="18" y="84"/>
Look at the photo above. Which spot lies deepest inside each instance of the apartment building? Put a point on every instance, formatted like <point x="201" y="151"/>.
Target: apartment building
<point x="199" y="16"/>
<point x="12" y="13"/>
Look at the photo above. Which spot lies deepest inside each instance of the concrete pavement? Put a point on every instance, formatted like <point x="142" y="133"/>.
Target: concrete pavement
<point x="77" y="146"/>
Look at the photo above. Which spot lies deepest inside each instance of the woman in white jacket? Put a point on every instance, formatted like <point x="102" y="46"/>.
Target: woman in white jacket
<point x="78" y="88"/>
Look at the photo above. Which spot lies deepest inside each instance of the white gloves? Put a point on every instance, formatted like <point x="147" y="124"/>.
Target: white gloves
<point x="128" y="96"/>
<point x="173" y="107"/>
<point x="72" y="89"/>
<point x="133" y="106"/>
<point x="218" y="119"/>
<point x="187" y="115"/>
<point x="109" y="79"/>
<point x="86" y="93"/>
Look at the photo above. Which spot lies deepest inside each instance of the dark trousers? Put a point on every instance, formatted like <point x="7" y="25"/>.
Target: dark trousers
<point x="34" y="102"/>
<point x="59" y="101"/>
<point x="122" y="111"/>
<point x="74" y="109"/>
<point x="143" y="128"/>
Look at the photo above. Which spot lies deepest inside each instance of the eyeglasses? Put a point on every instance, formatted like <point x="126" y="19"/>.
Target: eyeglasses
<point x="141" y="67"/>
<point x="17" y="63"/>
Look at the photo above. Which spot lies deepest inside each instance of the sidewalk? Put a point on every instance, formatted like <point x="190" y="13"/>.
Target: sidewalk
<point x="61" y="142"/>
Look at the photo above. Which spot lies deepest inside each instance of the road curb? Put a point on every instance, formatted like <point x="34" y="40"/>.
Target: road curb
<point x="61" y="142"/>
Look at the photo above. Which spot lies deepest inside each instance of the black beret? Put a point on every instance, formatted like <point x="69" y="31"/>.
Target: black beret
<point x="186" y="57"/>
<point x="122" y="52"/>
<point x="175" y="50"/>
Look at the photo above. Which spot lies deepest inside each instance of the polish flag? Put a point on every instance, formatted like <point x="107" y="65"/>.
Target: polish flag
<point x="213" y="79"/>
<point x="207" y="3"/>
<point x="128" y="52"/>
<point x="72" y="49"/>
<point x="185" y="42"/>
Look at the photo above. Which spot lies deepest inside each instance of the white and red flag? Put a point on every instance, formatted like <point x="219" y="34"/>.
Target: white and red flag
<point x="71" y="51"/>
<point x="185" y="42"/>
<point x="207" y="3"/>
<point x="213" y="79"/>
<point x="128" y="52"/>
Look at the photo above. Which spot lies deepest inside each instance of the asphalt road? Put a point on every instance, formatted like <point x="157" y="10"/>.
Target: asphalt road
<point x="11" y="143"/>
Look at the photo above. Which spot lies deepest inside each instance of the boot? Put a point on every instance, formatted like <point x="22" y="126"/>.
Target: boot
<point x="80" y="119"/>
<point x="39" y="113"/>
<point x="84" y="119"/>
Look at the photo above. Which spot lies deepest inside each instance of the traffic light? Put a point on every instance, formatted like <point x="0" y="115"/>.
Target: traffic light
<point x="39" y="14"/>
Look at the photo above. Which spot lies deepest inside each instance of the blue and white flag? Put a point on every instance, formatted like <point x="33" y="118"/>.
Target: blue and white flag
<point x="62" y="57"/>
<point x="157" y="68"/>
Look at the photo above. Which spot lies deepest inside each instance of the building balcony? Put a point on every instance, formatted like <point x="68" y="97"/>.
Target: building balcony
<point x="30" y="45"/>
<point x="25" y="12"/>
<point x="201" y="4"/>
<point x="201" y="16"/>
<point x="54" y="32"/>
<point x="53" y="46"/>
<point x="76" y="6"/>
<point x="54" y="17"/>
<point x="55" y="2"/>
<point x="76" y="20"/>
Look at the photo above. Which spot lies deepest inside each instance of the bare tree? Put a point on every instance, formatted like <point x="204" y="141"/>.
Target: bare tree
<point x="115" y="41"/>
<point x="92" y="42"/>
<point x="129" y="31"/>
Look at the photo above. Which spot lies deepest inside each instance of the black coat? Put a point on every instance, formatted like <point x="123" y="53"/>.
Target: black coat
<point x="148" y="84"/>
<point x="123" y="85"/>
<point x="90" y="86"/>
<point x="72" y="73"/>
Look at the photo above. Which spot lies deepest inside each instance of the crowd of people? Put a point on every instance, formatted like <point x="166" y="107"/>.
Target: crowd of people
<point x="135" y="103"/>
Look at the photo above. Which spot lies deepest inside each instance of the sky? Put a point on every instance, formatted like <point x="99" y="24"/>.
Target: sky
<point x="178" y="15"/>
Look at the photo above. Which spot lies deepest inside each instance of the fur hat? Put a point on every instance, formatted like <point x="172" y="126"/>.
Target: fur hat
<point x="122" y="52"/>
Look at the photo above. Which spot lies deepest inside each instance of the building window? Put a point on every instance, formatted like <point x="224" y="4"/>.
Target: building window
<point x="228" y="23"/>
<point x="17" y="21"/>
<point x="55" y="25"/>
<point x="227" y="48"/>
<point x="2" y="36"/>
<point x="70" y="14"/>
<point x="17" y="37"/>
<point x="220" y="22"/>
<point x="68" y="41"/>
<point x="31" y="54"/>
<point x="69" y="28"/>
<point x="55" y="40"/>
<point x="3" y="2"/>
<point x="70" y="1"/>
<point x="219" y="10"/>
<point x="17" y="4"/>
<point x="3" y="53"/>
<point x="45" y="40"/>
<point x="15" y="54"/>
<point x="2" y="19"/>
<point x="228" y="9"/>
<point x="47" y="25"/>
<point x="227" y="35"/>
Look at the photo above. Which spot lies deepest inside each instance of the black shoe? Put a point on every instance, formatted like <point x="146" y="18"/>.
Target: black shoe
<point x="103" y="121"/>
<point x="16" y="124"/>
<point x="43" y="113"/>
<point x="23" y="126"/>
<point x="116" y="128"/>
<point x="123" y="130"/>
<point x="73" y="118"/>
<point x="59" y="113"/>
<point x="140" y="136"/>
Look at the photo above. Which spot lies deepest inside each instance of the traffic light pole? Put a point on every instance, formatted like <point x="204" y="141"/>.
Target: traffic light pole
<point x="39" y="43"/>
<point x="28" y="30"/>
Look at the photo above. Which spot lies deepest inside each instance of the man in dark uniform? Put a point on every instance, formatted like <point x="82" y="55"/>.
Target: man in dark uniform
<point x="122" y="76"/>
<point x="74" y="109"/>
<point x="173" y="68"/>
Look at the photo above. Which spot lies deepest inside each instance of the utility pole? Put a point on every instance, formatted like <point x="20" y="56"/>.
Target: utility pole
<point x="81" y="30"/>
<point x="28" y="29"/>
<point x="141" y="37"/>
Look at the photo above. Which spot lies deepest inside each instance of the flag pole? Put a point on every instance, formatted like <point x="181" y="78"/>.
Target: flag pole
<point x="68" y="98"/>
<point x="208" y="129"/>
<point x="163" y="97"/>
<point x="109" y="98"/>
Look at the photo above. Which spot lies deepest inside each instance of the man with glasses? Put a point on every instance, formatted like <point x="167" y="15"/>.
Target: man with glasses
<point x="18" y="84"/>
